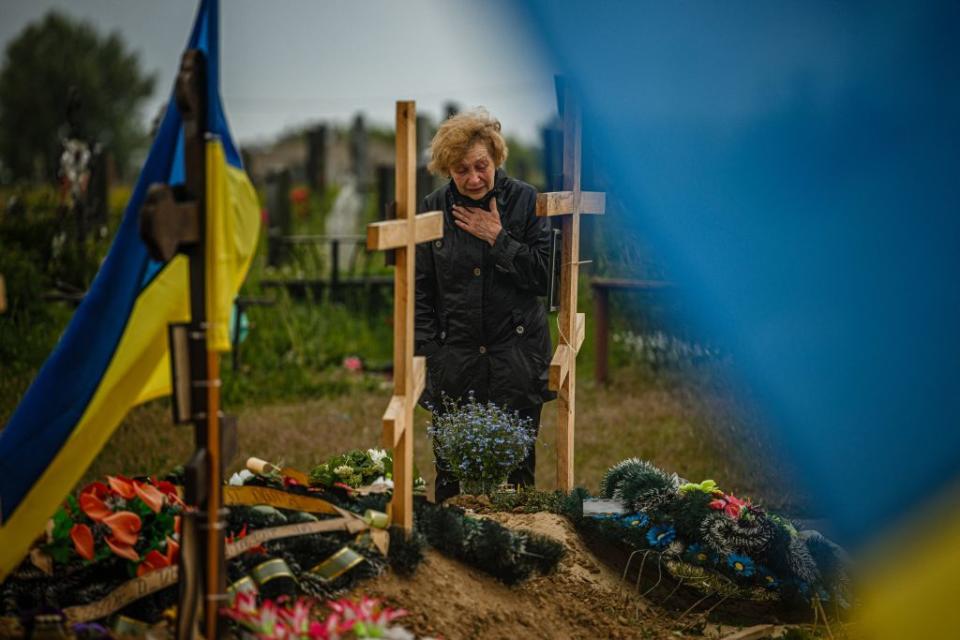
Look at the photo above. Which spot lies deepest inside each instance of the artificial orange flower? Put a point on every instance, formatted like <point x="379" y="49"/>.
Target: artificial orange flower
<point x="173" y="550"/>
<point x="95" y="508"/>
<point x="123" y="486"/>
<point x="123" y="550"/>
<point x="82" y="541"/>
<point x="124" y="525"/>
<point x="150" y="495"/>
<point x="153" y="560"/>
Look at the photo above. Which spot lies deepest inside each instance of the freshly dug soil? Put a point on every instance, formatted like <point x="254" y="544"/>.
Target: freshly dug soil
<point x="582" y="599"/>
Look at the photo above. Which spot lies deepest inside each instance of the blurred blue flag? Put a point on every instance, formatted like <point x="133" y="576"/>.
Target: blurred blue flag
<point x="797" y="164"/>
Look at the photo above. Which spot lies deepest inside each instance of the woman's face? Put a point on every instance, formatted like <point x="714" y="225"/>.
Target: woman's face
<point x="473" y="175"/>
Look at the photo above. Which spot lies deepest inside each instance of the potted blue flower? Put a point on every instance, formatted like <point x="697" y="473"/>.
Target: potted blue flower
<point x="482" y="442"/>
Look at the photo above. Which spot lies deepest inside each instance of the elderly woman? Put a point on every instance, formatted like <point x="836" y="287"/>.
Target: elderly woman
<point x="478" y="319"/>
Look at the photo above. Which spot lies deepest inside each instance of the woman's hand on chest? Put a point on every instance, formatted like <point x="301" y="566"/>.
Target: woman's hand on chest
<point x="485" y="225"/>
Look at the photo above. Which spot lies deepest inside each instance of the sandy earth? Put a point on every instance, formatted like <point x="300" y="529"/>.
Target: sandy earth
<point x="583" y="599"/>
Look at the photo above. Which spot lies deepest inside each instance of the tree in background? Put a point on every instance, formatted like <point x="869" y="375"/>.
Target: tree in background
<point x="60" y="64"/>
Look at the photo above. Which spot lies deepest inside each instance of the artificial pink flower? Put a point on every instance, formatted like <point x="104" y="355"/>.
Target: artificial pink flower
<point x="82" y="541"/>
<point x="353" y="364"/>
<point x="731" y="505"/>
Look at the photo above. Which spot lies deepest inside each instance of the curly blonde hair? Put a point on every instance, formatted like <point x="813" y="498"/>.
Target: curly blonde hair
<point x="459" y="133"/>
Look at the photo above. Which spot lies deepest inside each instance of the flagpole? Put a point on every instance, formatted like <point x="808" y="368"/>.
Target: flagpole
<point x="204" y="361"/>
<point x="173" y="220"/>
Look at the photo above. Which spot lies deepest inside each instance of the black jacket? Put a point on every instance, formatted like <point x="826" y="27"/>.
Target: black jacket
<point x="478" y="317"/>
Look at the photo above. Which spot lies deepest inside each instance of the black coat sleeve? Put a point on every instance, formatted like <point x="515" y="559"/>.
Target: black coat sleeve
<point x="426" y="329"/>
<point x="527" y="258"/>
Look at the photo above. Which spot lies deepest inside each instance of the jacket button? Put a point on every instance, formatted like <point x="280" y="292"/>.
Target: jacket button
<point x="483" y="349"/>
<point x="443" y="335"/>
<point x="476" y="271"/>
<point x="438" y="243"/>
<point x="520" y="329"/>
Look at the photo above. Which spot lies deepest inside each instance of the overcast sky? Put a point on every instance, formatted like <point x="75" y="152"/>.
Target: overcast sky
<point x="285" y="64"/>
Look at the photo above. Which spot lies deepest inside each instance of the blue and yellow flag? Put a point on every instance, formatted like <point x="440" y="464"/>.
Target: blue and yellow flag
<point x="113" y="354"/>
<point x="795" y="165"/>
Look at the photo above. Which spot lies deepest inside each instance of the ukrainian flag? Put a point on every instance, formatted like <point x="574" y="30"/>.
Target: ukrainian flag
<point x="113" y="354"/>
<point x="795" y="164"/>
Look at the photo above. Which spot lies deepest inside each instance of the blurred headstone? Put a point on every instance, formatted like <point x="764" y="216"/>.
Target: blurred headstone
<point x="359" y="156"/>
<point x="281" y="224"/>
<point x="318" y="157"/>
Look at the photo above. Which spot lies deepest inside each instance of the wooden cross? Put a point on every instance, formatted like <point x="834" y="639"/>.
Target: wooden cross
<point x="569" y="203"/>
<point x="409" y="372"/>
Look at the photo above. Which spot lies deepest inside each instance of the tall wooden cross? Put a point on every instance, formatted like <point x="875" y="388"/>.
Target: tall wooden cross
<point x="409" y="372"/>
<point x="569" y="203"/>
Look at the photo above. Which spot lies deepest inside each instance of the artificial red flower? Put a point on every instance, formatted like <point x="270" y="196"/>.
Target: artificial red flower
<point x="176" y="525"/>
<point x="95" y="508"/>
<point x="124" y="525"/>
<point x="168" y="489"/>
<point x="123" y="486"/>
<point x="153" y="560"/>
<point x="243" y="534"/>
<point x="150" y="495"/>
<point x="82" y="541"/>
<point x="123" y="550"/>
<point x="98" y="489"/>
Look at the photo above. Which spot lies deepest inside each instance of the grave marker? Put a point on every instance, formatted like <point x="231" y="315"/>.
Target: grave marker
<point x="570" y="204"/>
<point x="409" y="373"/>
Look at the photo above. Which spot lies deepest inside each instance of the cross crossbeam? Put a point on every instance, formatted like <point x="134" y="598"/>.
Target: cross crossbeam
<point x="409" y="372"/>
<point x="570" y="204"/>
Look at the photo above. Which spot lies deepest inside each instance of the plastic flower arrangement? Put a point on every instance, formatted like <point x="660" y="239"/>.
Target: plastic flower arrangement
<point x="708" y="528"/>
<point x="137" y="520"/>
<point x="741" y="565"/>
<point x="731" y="505"/>
<point x="482" y="443"/>
<point x="354" y="468"/>
<point x="661" y="535"/>
<point x="638" y="520"/>
<point x="303" y="619"/>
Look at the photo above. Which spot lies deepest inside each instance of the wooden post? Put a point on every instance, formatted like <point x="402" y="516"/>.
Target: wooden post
<point x="409" y="372"/>
<point x="601" y="305"/>
<point x="569" y="203"/>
